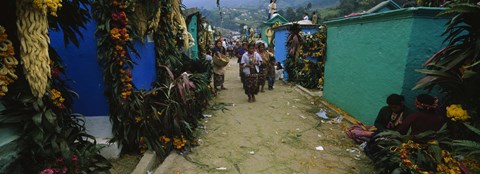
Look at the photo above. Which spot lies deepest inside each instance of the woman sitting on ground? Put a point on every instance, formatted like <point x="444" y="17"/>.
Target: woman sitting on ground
<point x="427" y="117"/>
<point x="391" y="116"/>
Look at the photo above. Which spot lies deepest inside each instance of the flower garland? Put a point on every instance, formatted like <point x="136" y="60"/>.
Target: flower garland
<point x="302" y="71"/>
<point x="59" y="166"/>
<point x="119" y="36"/>
<point x="410" y="149"/>
<point x="113" y="45"/>
<point x="57" y="98"/>
<point x="313" y="45"/>
<point x="8" y="63"/>
<point x="455" y="112"/>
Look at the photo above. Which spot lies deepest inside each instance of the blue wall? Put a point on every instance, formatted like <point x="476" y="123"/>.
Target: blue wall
<point x="84" y="73"/>
<point x="143" y="72"/>
<point x="281" y="35"/>
<point x="86" y="77"/>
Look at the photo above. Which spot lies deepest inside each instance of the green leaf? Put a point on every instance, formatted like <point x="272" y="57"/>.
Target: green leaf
<point x="37" y="119"/>
<point x="473" y="129"/>
<point x="425" y="82"/>
<point x="9" y="134"/>
<point x="50" y="116"/>
<point x="436" y="73"/>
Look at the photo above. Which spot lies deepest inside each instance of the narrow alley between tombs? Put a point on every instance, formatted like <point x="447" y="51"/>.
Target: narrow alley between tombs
<point x="279" y="133"/>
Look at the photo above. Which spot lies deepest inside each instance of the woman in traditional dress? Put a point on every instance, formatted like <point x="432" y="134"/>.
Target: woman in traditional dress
<point x="426" y="118"/>
<point x="263" y="67"/>
<point x="270" y="70"/>
<point x="250" y="64"/>
<point x="218" y="71"/>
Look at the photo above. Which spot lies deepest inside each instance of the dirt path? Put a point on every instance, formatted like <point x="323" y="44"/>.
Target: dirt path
<point x="277" y="134"/>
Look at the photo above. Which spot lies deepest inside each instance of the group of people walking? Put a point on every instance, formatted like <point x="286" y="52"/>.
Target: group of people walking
<point x="257" y="67"/>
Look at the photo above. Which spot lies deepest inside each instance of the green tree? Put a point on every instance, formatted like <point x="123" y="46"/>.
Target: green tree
<point x="309" y="6"/>
<point x="290" y="14"/>
<point x="347" y="6"/>
<point x="281" y="12"/>
<point x="299" y="13"/>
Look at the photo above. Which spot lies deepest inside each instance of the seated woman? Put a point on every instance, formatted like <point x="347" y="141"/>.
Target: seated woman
<point x="425" y="119"/>
<point x="391" y="116"/>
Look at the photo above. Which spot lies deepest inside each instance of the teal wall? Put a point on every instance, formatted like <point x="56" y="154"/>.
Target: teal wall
<point x="264" y="32"/>
<point x="370" y="57"/>
<point x="192" y="28"/>
<point x="425" y="42"/>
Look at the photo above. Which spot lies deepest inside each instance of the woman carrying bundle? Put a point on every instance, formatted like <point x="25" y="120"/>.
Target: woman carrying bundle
<point x="218" y="68"/>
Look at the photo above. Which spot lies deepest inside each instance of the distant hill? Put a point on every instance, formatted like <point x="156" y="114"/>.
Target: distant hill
<point x="256" y="4"/>
<point x="238" y="13"/>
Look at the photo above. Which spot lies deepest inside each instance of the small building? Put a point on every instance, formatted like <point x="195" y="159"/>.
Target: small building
<point x="374" y="55"/>
<point x="86" y="77"/>
<point x="384" y="6"/>
<point x="192" y="16"/>
<point x="267" y="27"/>
<point x="280" y="40"/>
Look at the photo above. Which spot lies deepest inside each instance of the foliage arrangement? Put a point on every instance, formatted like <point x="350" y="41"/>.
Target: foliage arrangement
<point x="113" y="46"/>
<point x="48" y="137"/>
<point x="314" y="45"/>
<point x="424" y="153"/>
<point x="455" y="69"/>
<point x="8" y="63"/>
<point x="302" y="49"/>
<point x="190" y="92"/>
<point x="163" y="118"/>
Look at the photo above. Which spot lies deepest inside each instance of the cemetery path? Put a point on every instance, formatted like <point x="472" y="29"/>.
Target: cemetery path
<point x="279" y="133"/>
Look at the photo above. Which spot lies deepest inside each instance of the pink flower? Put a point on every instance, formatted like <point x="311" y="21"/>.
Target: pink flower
<point x="74" y="158"/>
<point x="47" y="171"/>
<point x="56" y="72"/>
<point x="64" y="170"/>
<point x="59" y="160"/>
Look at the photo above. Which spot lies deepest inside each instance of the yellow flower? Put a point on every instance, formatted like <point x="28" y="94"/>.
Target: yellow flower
<point x="114" y="33"/>
<point x="456" y="112"/>
<point x="138" y="119"/>
<point x="164" y="139"/>
<point x="119" y="48"/>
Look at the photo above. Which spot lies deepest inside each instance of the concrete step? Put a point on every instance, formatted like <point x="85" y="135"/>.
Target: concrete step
<point x="108" y="150"/>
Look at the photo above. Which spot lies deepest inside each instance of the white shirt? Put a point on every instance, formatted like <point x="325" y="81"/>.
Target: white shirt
<point x="224" y="44"/>
<point x="246" y="61"/>
<point x="208" y="58"/>
<point x="272" y="8"/>
<point x="305" y="17"/>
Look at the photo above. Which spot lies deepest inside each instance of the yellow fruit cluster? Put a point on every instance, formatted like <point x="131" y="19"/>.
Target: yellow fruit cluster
<point x="32" y="27"/>
<point x="7" y="62"/>
<point x="455" y="112"/>
<point x="52" y="6"/>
